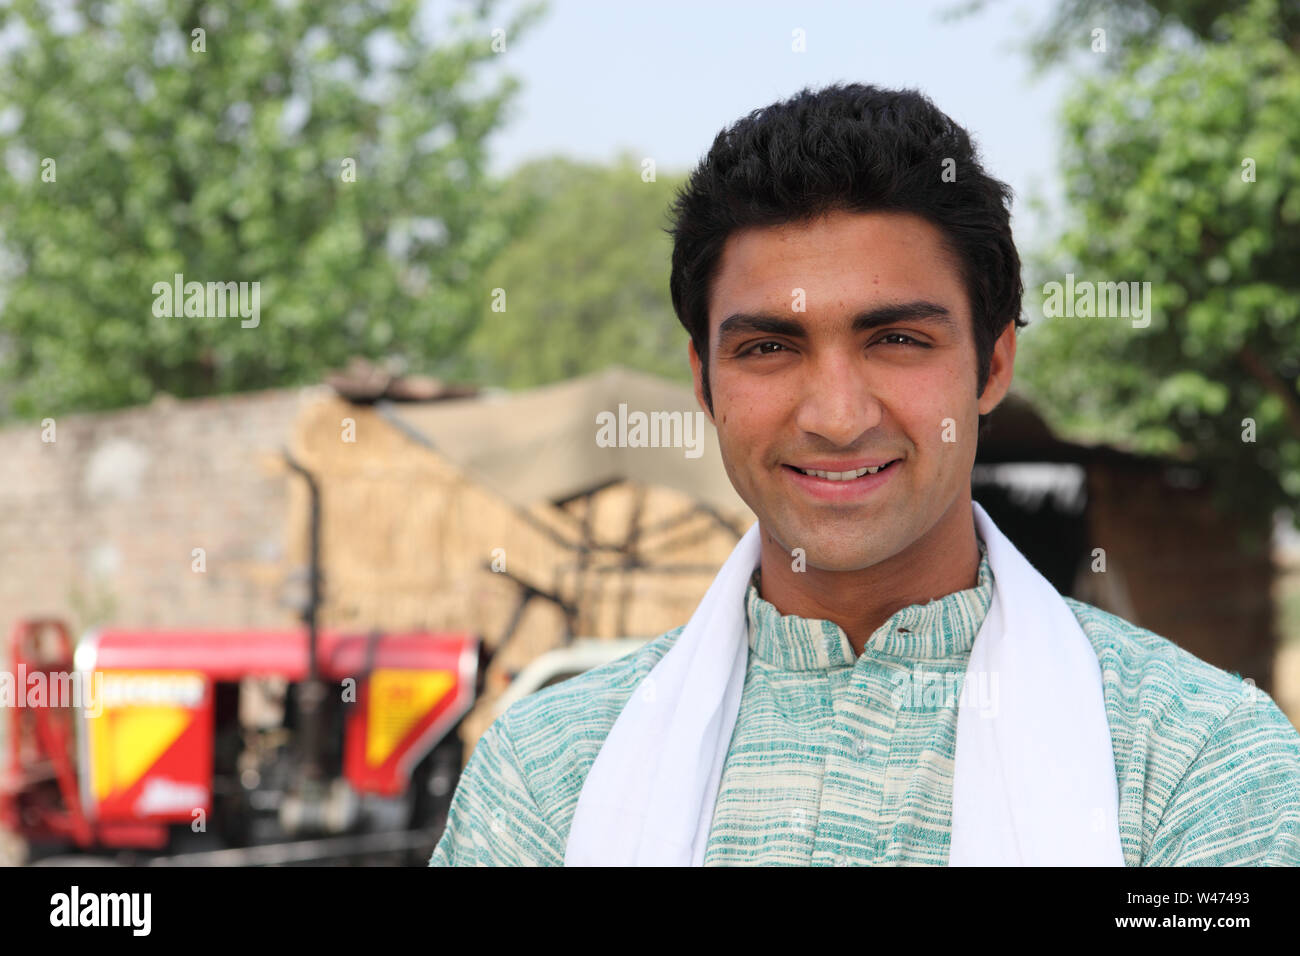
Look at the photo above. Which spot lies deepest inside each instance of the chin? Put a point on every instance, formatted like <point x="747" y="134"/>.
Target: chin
<point x="842" y="549"/>
<point x="845" y="559"/>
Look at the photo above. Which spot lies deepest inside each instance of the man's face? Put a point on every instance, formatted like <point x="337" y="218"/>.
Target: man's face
<point x="802" y="388"/>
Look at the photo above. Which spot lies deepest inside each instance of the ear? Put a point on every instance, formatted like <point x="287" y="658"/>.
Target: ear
<point x="696" y="373"/>
<point x="1001" y="366"/>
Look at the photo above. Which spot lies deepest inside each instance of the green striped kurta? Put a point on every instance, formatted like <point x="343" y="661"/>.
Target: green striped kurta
<point x="844" y="760"/>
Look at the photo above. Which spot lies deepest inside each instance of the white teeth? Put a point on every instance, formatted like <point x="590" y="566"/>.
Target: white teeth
<point x="842" y="475"/>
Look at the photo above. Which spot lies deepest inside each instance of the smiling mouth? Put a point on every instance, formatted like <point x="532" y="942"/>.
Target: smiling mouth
<point x="844" y="475"/>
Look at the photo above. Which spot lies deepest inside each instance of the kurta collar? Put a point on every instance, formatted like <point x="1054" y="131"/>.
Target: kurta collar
<point x="939" y="628"/>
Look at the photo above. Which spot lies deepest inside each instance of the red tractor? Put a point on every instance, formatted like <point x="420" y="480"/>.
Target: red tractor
<point x="235" y="748"/>
<point x="241" y="748"/>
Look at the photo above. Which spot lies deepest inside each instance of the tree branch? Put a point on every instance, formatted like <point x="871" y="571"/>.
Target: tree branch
<point x="1273" y="382"/>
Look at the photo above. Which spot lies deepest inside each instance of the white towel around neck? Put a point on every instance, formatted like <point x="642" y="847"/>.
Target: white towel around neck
<point x="1034" y="778"/>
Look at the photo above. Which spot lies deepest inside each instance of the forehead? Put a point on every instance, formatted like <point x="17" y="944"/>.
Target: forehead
<point x="843" y="261"/>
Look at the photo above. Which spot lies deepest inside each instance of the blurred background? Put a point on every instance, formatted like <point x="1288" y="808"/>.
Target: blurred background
<point x="308" y="310"/>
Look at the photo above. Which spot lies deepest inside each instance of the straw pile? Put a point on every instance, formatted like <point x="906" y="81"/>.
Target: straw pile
<point x="410" y="542"/>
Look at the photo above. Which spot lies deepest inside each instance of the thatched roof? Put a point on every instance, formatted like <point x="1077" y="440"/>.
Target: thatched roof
<point x="541" y="444"/>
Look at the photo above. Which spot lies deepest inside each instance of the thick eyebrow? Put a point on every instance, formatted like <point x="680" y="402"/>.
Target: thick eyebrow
<point x="770" y="323"/>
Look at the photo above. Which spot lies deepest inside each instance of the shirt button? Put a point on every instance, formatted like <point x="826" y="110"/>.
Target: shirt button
<point x="841" y="861"/>
<point x="863" y="746"/>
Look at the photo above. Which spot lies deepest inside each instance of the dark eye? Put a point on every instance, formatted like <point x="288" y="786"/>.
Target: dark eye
<point x="907" y="339"/>
<point x="752" y="350"/>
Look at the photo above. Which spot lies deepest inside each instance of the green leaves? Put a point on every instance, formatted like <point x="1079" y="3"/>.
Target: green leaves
<point x="1181" y="169"/>
<point x="585" y="277"/>
<point x="227" y="165"/>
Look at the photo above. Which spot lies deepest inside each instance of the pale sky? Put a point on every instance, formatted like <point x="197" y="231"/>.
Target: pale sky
<point x="662" y="78"/>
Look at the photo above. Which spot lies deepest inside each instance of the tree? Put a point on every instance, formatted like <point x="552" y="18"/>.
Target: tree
<point x="332" y="153"/>
<point x="585" y="284"/>
<point x="1182" y="169"/>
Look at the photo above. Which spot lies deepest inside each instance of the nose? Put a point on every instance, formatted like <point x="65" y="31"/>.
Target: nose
<point x="838" y="401"/>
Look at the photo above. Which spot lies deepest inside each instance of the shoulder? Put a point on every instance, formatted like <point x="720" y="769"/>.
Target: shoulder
<point x="1148" y="675"/>
<point x="1196" y="749"/>
<point x="581" y="709"/>
<point x="556" y="733"/>
<point x="515" y="799"/>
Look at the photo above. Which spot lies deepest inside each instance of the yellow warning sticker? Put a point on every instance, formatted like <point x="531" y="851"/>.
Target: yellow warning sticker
<point x="144" y="712"/>
<point x="398" y="700"/>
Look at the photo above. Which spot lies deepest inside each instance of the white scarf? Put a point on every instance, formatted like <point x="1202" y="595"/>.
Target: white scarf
<point x="1034" y="779"/>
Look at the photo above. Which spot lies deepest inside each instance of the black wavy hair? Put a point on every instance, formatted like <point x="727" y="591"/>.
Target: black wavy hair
<point x="855" y="148"/>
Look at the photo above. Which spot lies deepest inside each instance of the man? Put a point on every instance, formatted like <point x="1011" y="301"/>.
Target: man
<point x="846" y="271"/>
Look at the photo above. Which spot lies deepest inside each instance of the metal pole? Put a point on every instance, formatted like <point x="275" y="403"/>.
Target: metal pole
<point x="312" y="691"/>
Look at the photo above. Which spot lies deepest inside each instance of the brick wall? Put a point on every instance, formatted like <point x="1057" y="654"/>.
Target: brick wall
<point x="101" y="524"/>
<point x="1183" y="572"/>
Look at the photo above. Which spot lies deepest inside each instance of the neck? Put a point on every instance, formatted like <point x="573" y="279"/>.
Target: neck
<point x="943" y="560"/>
